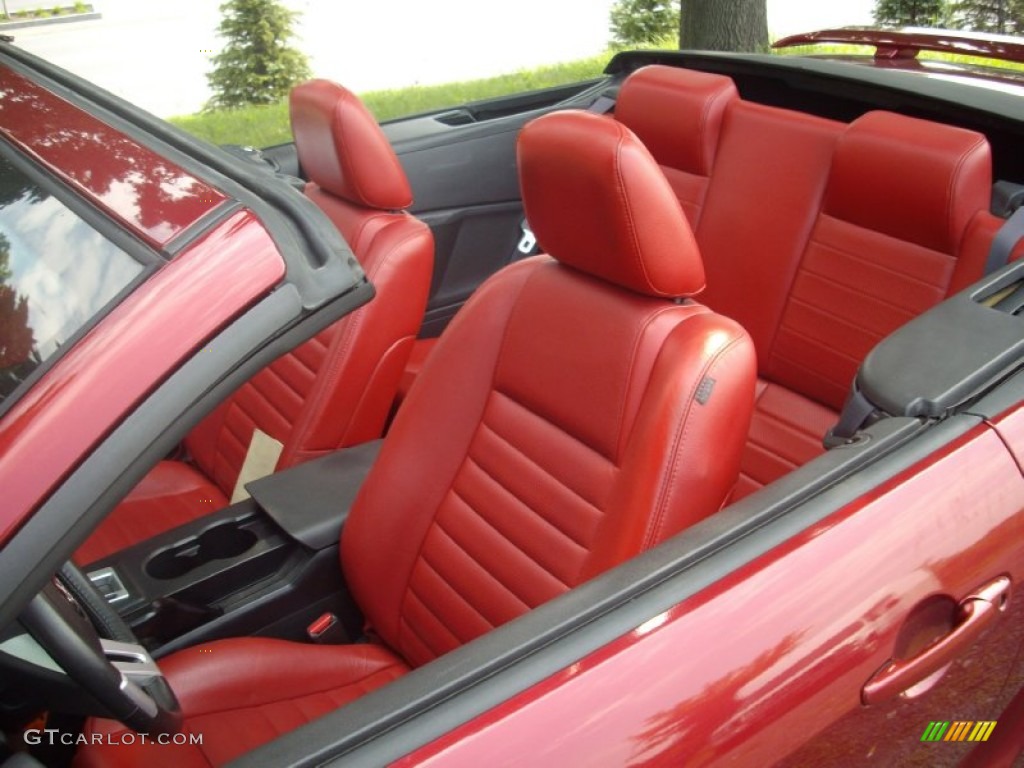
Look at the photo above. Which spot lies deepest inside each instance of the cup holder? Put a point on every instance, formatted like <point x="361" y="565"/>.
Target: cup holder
<point x="220" y="542"/>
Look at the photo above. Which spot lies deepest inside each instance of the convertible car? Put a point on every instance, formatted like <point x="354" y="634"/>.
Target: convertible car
<point x="674" y="417"/>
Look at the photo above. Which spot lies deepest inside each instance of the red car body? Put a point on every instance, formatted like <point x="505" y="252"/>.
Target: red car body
<point x="751" y="641"/>
<point x="783" y="683"/>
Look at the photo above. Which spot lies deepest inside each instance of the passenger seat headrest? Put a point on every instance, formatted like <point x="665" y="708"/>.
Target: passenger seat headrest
<point x="342" y="148"/>
<point x="676" y="113"/>
<point x="597" y="201"/>
<point x="914" y="180"/>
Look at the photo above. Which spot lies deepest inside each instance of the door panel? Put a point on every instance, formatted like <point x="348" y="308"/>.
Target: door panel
<point x="467" y="190"/>
<point x="767" y="665"/>
<point x="470" y="243"/>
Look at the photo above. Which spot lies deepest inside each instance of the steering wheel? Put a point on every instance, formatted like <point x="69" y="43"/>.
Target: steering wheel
<point x="67" y="618"/>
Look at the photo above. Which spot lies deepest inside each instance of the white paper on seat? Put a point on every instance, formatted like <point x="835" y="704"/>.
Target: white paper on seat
<point x="260" y="461"/>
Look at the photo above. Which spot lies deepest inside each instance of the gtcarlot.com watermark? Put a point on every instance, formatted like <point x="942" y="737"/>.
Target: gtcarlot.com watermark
<point x="53" y="737"/>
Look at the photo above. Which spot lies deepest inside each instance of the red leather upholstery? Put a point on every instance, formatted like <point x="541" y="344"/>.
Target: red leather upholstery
<point x="762" y="202"/>
<point x="914" y="180"/>
<point x="342" y="150"/>
<point x="562" y="452"/>
<point x="817" y="300"/>
<point x="818" y="237"/>
<point x="677" y="114"/>
<point x="421" y="350"/>
<point x="562" y="424"/>
<point x="970" y="263"/>
<point x="901" y="196"/>
<point x="241" y="693"/>
<point x="785" y="433"/>
<point x="624" y="214"/>
<point x="337" y="389"/>
<point x="172" y="491"/>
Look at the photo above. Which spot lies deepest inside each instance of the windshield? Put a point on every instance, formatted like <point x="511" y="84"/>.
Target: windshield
<point x="57" y="273"/>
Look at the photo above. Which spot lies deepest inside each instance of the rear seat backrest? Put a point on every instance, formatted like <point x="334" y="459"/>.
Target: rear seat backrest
<point x="762" y="201"/>
<point x="677" y="114"/>
<point x="901" y="195"/>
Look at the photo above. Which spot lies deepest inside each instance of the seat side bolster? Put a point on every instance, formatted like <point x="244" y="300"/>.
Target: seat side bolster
<point x="387" y="526"/>
<point x="352" y="397"/>
<point x="683" y="455"/>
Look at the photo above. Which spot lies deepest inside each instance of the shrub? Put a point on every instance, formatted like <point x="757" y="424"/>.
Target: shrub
<point x="642" y="22"/>
<point x="256" y="66"/>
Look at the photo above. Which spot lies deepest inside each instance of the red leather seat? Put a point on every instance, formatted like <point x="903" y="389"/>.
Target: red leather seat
<point x="575" y="413"/>
<point x="763" y="199"/>
<point x="337" y="388"/>
<point x="884" y="248"/>
<point x="677" y="114"/>
<point x="810" y="240"/>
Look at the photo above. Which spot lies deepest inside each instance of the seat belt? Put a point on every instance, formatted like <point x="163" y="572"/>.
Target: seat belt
<point x="1007" y="199"/>
<point x="602" y="105"/>
<point x="1003" y="244"/>
<point x="855" y="413"/>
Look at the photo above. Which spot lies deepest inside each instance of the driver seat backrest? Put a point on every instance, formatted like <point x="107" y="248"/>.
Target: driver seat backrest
<point x="336" y="389"/>
<point x="576" y="412"/>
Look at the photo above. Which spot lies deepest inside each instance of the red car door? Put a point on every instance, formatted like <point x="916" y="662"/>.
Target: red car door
<point x="855" y="642"/>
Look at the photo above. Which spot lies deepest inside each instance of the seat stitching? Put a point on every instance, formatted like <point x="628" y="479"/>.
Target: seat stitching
<point x="540" y="467"/>
<point x="490" y="524"/>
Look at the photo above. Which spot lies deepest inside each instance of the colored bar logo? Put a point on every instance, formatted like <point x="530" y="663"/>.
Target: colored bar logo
<point x="961" y="730"/>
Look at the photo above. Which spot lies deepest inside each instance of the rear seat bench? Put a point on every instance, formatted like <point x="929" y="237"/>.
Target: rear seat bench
<point x="821" y="238"/>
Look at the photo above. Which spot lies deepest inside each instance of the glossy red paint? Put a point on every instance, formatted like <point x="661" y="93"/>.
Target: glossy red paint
<point x="756" y="665"/>
<point x="902" y="43"/>
<point x="1010" y="427"/>
<point x="135" y="185"/>
<point x="90" y="390"/>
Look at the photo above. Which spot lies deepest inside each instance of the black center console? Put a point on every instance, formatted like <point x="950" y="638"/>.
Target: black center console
<point x="267" y="565"/>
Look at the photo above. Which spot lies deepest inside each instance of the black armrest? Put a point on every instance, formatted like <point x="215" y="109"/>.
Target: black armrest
<point x="950" y="354"/>
<point x="311" y="501"/>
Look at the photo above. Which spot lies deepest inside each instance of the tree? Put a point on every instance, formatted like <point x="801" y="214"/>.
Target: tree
<point x="724" y="25"/>
<point x="911" y="13"/>
<point x="17" y="341"/>
<point x="1004" y="17"/>
<point x="640" y="22"/>
<point x="257" y="66"/>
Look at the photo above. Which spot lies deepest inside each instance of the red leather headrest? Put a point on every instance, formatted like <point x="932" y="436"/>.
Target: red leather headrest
<point x="597" y="201"/>
<point x="342" y="149"/>
<point x="677" y="113"/>
<point x="910" y="179"/>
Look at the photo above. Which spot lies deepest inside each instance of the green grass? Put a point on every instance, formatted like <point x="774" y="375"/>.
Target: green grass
<point x="263" y="126"/>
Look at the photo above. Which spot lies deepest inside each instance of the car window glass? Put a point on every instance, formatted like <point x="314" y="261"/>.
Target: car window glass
<point x="56" y="274"/>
